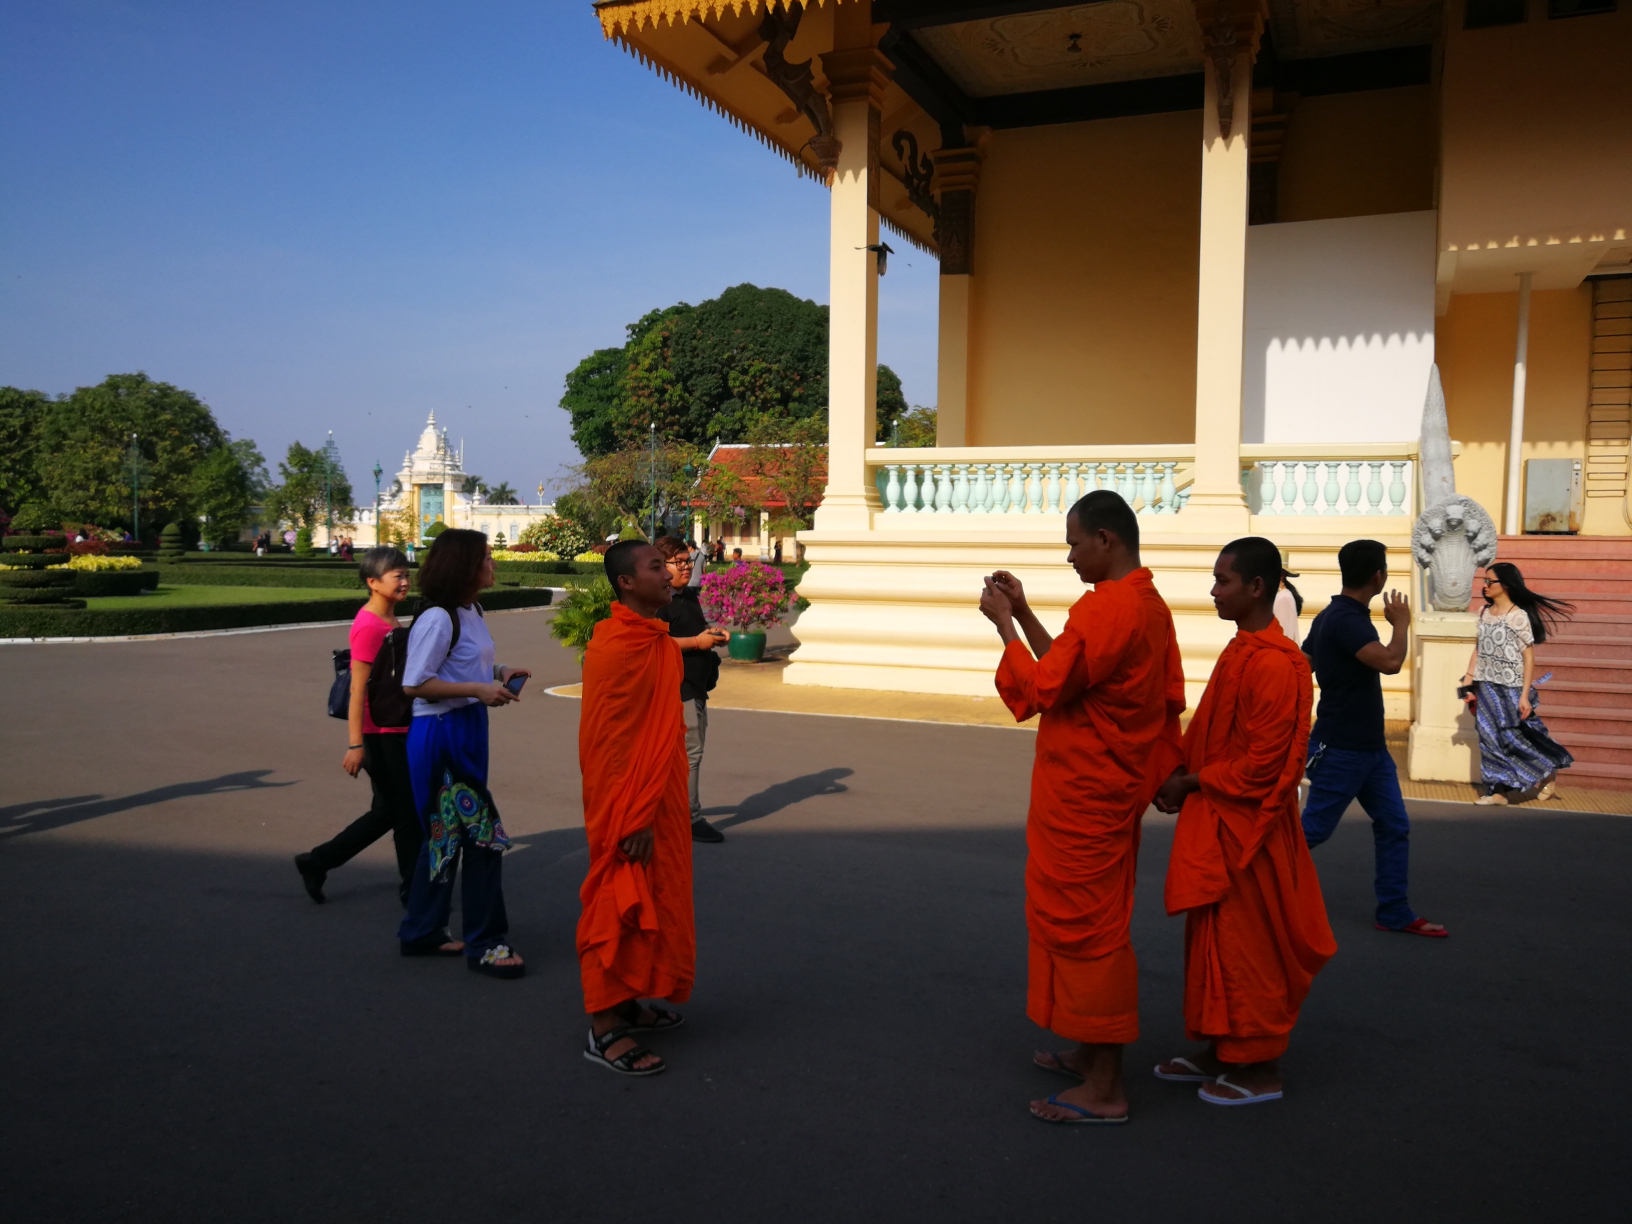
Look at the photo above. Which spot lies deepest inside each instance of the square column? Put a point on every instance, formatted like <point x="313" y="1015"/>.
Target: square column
<point x="856" y="81"/>
<point x="1230" y="32"/>
<point x="957" y="174"/>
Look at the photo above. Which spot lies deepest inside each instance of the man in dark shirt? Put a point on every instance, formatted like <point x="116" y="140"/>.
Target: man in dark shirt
<point x="1348" y="756"/>
<point x="697" y="641"/>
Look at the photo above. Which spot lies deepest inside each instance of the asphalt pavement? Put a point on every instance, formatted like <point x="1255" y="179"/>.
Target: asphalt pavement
<point x="186" y="1037"/>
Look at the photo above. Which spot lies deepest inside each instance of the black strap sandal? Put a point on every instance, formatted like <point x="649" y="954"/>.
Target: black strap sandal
<point x="629" y="1013"/>
<point x="623" y="1064"/>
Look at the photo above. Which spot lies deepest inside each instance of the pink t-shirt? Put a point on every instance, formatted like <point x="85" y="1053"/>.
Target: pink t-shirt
<point x="367" y="634"/>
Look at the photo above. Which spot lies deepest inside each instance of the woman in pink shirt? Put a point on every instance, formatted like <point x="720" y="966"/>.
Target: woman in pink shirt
<point x="382" y="751"/>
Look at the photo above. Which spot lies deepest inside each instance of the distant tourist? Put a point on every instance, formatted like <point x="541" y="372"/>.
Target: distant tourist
<point x="1348" y="755"/>
<point x="776" y="554"/>
<point x="736" y="554"/>
<point x="689" y="627"/>
<point x="382" y="751"/>
<point x="1516" y="754"/>
<point x="1288" y="603"/>
<point x="451" y="675"/>
<point x="698" y="556"/>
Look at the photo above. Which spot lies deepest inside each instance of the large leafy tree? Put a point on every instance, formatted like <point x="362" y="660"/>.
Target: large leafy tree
<point x="710" y="371"/>
<point x="303" y="498"/>
<point x="74" y="457"/>
<point x="620" y="487"/>
<point x="21" y="414"/>
<point x="226" y="485"/>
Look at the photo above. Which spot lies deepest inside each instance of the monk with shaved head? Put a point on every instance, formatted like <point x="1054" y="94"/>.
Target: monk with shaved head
<point x="636" y="937"/>
<point x="1110" y="690"/>
<point x="1255" y="929"/>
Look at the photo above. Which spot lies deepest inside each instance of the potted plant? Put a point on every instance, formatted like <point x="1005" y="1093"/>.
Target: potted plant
<point x="750" y="597"/>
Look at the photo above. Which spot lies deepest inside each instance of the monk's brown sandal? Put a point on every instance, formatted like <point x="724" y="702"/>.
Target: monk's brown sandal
<point x="663" y="1018"/>
<point x="623" y="1064"/>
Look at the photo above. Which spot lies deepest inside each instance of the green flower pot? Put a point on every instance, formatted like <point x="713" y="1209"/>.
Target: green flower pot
<point x="747" y="647"/>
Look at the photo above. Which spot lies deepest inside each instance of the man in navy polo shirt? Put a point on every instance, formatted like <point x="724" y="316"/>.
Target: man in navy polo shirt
<point x="1348" y="756"/>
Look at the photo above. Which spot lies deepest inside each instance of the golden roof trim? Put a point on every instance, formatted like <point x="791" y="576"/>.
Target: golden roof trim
<point x="620" y="17"/>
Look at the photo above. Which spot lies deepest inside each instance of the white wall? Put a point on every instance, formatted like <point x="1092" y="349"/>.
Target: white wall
<point x="1339" y="330"/>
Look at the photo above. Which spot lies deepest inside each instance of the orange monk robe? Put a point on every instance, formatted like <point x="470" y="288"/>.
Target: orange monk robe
<point x="636" y="937"/>
<point x="1255" y="931"/>
<point x="1110" y="691"/>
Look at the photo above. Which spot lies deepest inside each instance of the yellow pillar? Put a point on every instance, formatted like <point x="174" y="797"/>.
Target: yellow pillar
<point x="1230" y="32"/>
<point x="957" y="174"/>
<point x="856" y="75"/>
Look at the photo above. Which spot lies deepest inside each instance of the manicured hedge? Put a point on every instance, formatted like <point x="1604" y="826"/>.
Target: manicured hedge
<point x="44" y="622"/>
<point x="33" y="578"/>
<point x="89" y="584"/>
<point x="326" y="578"/>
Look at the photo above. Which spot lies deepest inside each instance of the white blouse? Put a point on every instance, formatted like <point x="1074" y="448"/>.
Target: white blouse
<point x="1502" y="643"/>
<point x="470" y="661"/>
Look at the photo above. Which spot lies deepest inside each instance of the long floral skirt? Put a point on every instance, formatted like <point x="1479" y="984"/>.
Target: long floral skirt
<point x="1514" y="753"/>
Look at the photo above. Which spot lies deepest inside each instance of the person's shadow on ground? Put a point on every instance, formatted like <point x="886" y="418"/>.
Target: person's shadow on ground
<point x="45" y="814"/>
<point x="781" y="795"/>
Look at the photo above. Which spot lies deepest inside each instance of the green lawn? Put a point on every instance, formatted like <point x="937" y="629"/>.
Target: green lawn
<point x="210" y="596"/>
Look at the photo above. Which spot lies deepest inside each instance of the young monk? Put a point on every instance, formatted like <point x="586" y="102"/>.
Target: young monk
<point x="1110" y="690"/>
<point x="1255" y="929"/>
<point x="636" y="938"/>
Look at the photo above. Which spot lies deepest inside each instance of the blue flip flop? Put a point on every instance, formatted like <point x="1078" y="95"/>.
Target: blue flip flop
<point x="1086" y="1118"/>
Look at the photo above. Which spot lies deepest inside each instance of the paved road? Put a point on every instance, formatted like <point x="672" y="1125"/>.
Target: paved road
<point x="187" y="1038"/>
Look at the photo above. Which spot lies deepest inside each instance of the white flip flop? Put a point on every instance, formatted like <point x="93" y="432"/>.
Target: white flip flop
<point x="1198" y="1076"/>
<point x="1252" y="1098"/>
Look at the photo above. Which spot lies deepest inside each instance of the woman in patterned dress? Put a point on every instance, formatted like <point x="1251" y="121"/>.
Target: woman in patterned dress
<point x="1516" y="754"/>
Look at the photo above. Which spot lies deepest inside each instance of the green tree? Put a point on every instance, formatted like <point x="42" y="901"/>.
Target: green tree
<point x="84" y="444"/>
<point x="21" y="416"/>
<point x="299" y="499"/>
<point x="594" y="390"/>
<point x="473" y="486"/>
<point x="225" y="486"/>
<point x="502" y="494"/>
<point x="916" y="427"/>
<point x="702" y="372"/>
<point x="892" y="403"/>
<point x="618" y="488"/>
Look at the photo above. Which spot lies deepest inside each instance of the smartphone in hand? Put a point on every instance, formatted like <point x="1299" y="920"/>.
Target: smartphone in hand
<point x="514" y="684"/>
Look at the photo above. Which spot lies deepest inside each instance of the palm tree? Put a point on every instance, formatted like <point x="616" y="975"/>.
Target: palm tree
<point x="502" y="495"/>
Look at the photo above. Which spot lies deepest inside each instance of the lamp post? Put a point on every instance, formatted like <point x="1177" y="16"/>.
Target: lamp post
<point x="377" y="470"/>
<point x="653" y="534"/>
<point x="135" y="492"/>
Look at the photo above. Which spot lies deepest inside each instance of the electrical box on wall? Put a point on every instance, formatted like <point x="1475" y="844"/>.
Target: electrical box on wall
<point x="1552" y="496"/>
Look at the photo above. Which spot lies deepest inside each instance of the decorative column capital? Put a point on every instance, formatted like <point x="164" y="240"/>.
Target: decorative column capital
<point x="956" y="179"/>
<point x="855" y="75"/>
<point x="1230" y="29"/>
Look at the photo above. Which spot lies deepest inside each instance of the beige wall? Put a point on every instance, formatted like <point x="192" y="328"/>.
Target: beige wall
<point x="1537" y="129"/>
<point x="1083" y="310"/>
<point x="1475" y="346"/>
<point x="1357" y="154"/>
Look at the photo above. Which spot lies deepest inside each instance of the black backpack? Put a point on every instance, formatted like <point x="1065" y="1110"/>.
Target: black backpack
<point x="388" y="705"/>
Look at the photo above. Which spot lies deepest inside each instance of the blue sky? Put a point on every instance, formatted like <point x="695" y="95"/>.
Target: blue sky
<point x="341" y="216"/>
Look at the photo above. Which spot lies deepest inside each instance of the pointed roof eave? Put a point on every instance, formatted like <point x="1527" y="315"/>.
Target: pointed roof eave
<point x="623" y="21"/>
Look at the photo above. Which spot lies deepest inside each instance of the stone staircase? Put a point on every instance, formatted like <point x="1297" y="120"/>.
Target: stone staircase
<point x="1587" y="705"/>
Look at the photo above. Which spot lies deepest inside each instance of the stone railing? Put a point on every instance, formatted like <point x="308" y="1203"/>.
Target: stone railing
<point x="1027" y="480"/>
<point x="1321" y="479"/>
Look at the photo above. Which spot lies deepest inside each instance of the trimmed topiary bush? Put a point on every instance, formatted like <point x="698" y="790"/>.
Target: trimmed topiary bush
<point x="172" y="547"/>
<point x="34" y="543"/>
<point x="303" y="542"/>
<point x="34" y="578"/>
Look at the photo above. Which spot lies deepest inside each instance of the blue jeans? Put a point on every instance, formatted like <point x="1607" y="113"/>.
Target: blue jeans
<point x="1337" y="778"/>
